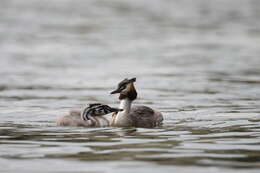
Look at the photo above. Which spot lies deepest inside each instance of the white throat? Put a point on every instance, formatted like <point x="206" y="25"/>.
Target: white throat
<point x="121" y="118"/>
<point x="125" y="104"/>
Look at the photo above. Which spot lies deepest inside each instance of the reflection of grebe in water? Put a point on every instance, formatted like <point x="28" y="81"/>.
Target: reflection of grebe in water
<point x="138" y="116"/>
<point x="91" y="116"/>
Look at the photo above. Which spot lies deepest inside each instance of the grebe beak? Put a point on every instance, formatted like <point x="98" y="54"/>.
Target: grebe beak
<point x="115" y="91"/>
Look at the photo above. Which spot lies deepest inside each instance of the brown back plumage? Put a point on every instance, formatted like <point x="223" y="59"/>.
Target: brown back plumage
<point x="143" y="116"/>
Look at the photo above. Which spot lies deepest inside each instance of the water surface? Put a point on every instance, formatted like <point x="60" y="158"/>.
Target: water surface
<point x="195" y="61"/>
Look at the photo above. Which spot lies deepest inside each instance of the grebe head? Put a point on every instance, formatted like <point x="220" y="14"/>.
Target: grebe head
<point x="126" y="89"/>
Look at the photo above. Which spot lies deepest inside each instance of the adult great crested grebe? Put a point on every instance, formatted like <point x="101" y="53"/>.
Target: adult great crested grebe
<point x="138" y="116"/>
<point x="91" y="116"/>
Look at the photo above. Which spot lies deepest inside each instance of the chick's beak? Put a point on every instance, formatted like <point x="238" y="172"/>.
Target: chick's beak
<point x="116" y="110"/>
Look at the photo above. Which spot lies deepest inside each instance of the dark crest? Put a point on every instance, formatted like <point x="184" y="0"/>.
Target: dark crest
<point x="122" y="85"/>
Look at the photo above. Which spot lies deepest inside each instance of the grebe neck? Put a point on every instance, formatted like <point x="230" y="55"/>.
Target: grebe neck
<point x="122" y="117"/>
<point x="125" y="104"/>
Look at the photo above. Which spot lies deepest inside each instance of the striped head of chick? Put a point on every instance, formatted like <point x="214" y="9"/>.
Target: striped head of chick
<point x="97" y="109"/>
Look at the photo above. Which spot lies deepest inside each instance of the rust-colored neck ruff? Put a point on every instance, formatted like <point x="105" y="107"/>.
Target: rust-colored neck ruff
<point x="129" y="92"/>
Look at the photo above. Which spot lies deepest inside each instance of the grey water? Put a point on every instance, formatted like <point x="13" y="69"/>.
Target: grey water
<point x="198" y="62"/>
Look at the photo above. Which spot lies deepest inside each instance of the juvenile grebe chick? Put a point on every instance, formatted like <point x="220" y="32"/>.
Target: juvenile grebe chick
<point x="97" y="109"/>
<point x="91" y="116"/>
<point x="138" y="116"/>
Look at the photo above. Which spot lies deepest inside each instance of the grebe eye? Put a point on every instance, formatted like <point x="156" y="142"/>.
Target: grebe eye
<point x="122" y="87"/>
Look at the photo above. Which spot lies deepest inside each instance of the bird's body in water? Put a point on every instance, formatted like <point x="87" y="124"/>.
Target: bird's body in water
<point x="91" y="116"/>
<point x="138" y="116"/>
<point x="97" y="115"/>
